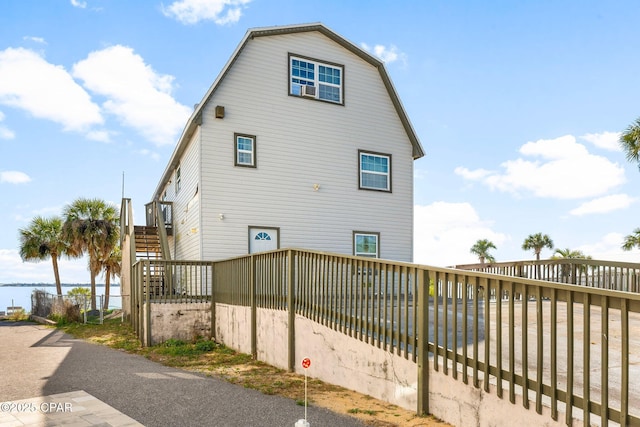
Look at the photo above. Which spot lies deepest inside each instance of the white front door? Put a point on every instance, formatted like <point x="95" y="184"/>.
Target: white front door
<point x="263" y="239"/>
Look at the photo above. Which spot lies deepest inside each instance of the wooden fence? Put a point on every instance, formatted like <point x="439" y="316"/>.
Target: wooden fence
<point x="572" y="348"/>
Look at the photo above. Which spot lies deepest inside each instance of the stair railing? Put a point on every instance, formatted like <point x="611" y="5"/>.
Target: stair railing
<point x="162" y="232"/>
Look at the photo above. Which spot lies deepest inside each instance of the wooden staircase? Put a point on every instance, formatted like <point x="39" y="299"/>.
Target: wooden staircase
<point x="147" y="242"/>
<point x="148" y="247"/>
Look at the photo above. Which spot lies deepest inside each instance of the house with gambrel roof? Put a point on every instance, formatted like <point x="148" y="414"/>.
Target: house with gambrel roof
<point x="301" y="141"/>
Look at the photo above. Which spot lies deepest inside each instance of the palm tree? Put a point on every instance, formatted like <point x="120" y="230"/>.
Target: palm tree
<point x="42" y="239"/>
<point x="537" y="242"/>
<point x="481" y="250"/>
<point x="112" y="268"/>
<point x="91" y="227"/>
<point x="632" y="240"/>
<point x="630" y="142"/>
<point x="568" y="253"/>
<point x="566" y="269"/>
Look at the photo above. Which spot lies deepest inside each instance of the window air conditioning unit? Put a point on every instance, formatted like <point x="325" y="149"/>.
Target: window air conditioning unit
<point x="308" y="91"/>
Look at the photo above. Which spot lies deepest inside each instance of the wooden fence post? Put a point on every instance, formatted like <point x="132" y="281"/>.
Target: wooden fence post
<point x="213" y="301"/>
<point x="291" y="307"/>
<point x="254" y="314"/>
<point x="423" y="342"/>
<point x="147" y="325"/>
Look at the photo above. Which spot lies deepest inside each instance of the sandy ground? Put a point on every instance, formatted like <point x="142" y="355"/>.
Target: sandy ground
<point x="372" y="411"/>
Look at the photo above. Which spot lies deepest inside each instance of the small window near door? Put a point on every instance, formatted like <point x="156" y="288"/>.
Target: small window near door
<point x="366" y="244"/>
<point x="245" y="150"/>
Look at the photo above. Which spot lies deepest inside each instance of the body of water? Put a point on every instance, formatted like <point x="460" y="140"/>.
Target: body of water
<point x="13" y="295"/>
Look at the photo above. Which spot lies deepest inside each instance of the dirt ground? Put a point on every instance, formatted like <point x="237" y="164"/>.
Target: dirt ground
<point x="374" y="412"/>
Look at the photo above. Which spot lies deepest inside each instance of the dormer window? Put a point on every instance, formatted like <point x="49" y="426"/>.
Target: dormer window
<point x="314" y="79"/>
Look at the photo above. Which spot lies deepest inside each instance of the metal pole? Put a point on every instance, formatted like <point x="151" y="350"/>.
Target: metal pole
<point x="305" y="394"/>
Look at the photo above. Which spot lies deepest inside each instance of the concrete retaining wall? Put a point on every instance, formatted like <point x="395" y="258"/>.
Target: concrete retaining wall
<point x="184" y="321"/>
<point x="339" y="359"/>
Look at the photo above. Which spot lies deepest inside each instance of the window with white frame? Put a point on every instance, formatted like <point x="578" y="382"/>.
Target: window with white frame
<point x="366" y="244"/>
<point x="178" y="183"/>
<point x="324" y="79"/>
<point x="245" y="150"/>
<point x="374" y="171"/>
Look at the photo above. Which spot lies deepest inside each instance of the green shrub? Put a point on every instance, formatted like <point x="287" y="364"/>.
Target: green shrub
<point x="59" y="319"/>
<point x="18" y="315"/>
<point x="205" y="346"/>
<point x="64" y="312"/>
<point x="79" y="296"/>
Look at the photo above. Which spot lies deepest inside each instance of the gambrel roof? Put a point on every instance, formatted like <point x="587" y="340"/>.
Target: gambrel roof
<point x="196" y="117"/>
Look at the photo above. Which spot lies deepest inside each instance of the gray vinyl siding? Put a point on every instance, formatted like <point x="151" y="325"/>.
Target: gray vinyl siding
<point x="186" y="241"/>
<point x="302" y="142"/>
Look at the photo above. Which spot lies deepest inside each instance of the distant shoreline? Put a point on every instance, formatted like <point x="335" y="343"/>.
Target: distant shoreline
<point x="52" y="285"/>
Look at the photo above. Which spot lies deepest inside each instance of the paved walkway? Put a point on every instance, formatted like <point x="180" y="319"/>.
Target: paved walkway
<point x="76" y="408"/>
<point x="48" y="378"/>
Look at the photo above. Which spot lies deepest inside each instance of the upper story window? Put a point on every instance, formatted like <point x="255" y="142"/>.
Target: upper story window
<point x="366" y="244"/>
<point x="374" y="171"/>
<point x="315" y="79"/>
<point x="245" y="150"/>
<point x="178" y="183"/>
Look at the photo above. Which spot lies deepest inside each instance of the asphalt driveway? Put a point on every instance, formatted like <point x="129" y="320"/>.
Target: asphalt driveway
<point x="40" y="361"/>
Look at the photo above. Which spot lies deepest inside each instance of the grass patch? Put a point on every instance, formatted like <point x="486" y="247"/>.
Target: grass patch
<point x="362" y="411"/>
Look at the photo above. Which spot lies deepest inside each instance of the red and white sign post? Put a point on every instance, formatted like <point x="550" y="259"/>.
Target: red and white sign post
<point x="306" y="362"/>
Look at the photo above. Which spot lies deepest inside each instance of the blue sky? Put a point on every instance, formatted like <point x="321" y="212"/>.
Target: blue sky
<point x="517" y="104"/>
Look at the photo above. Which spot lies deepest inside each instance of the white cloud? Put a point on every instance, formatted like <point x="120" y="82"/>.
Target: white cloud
<point x="472" y="175"/>
<point x="78" y="3"/>
<point x="604" y="204"/>
<point x="99" y="135"/>
<point x="137" y="95"/>
<point x="609" y="248"/>
<point x="14" y="177"/>
<point x="5" y="132"/>
<point x="385" y="54"/>
<point x="193" y="11"/>
<point x="148" y="153"/>
<point x="47" y="91"/>
<point x="14" y="270"/>
<point x="606" y="140"/>
<point x="566" y="171"/>
<point x="45" y="211"/>
<point x="444" y="233"/>
<point x="35" y="39"/>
